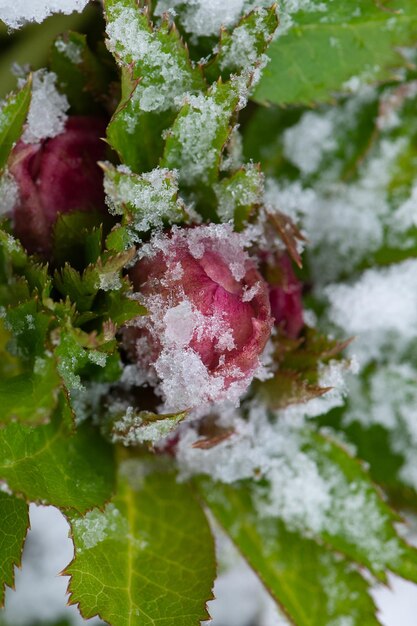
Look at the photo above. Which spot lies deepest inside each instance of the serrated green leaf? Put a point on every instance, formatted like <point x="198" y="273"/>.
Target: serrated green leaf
<point x="148" y="557"/>
<point x="52" y="465"/>
<point x="321" y="52"/>
<point x="312" y="585"/>
<point x="14" y="523"/>
<point x="12" y="117"/>
<point x="148" y="105"/>
<point x="104" y="274"/>
<point x="195" y="142"/>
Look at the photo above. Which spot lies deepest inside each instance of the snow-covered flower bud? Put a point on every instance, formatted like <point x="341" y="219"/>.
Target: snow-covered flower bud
<point x="57" y="175"/>
<point x="209" y="316"/>
<point x="285" y="297"/>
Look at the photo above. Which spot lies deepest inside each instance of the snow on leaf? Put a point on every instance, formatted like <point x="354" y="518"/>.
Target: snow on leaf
<point x="156" y="74"/>
<point x="14" y="522"/>
<point x="149" y="556"/>
<point x="311" y="584"/>
<point x="145" y="201"/>
<point x="194" y="144"/>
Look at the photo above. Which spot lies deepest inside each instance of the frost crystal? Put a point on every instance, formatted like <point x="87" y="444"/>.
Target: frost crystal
<point x="47" y="112"/>
<point x="96" y="526"/>
<point x="16" y="12"/>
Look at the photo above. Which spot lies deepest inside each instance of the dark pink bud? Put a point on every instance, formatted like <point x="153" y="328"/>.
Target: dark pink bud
<point x="285" y="298"/>
<point x="57" y="175"/>
<point x="209" y="316"/>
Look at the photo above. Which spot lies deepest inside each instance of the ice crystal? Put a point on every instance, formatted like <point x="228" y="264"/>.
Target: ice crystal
<point x="47" y="112"/>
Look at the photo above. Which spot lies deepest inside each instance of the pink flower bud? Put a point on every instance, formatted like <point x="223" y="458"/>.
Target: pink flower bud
<point x="209" y="316"/>
<point x="285" y="298"/>
<point x="57" y="175"/>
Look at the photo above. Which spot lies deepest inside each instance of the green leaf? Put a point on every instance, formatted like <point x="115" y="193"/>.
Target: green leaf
<point x="148" y="557"/>
<point x="148" y="105"/>
<point x="12" y="117"/>
<point x="52" y="465"/>
<point x="320" y="52"/>
<point x="313" y="586"/>
<point x="14" y="522"/>
<point x="30" y="397"/>
<point x="195" y="143"/>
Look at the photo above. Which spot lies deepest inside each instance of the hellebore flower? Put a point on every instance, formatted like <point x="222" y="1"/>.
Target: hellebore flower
<point x="57" y="175"/>
<point x="209" y="316"/>
<point x="285" y="298"/>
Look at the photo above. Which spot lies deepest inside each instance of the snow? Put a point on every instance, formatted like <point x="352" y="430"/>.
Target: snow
<point x="15" y="13"/>
<point x="344" y="223"/>
<point x="47" y="111"/>
<point x="133" y="428"/>
<point x="305" y="142"/>
<point x="380" y="308"/>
